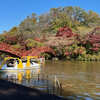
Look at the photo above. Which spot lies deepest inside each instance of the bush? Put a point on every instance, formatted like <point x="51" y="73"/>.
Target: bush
<point x="33" y="44"/>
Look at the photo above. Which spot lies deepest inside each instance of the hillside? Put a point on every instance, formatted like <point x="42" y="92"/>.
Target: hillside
<point x="64" y="29"/>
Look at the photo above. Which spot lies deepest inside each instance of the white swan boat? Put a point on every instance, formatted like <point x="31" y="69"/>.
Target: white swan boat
<point x="11" y="63"/>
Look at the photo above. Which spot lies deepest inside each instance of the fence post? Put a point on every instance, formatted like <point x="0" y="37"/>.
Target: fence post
<point x="38" y="77"/>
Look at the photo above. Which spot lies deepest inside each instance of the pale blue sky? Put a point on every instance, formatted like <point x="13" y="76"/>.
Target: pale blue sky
<point x="12" y="12"/>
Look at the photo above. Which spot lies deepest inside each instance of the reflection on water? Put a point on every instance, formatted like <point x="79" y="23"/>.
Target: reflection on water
<point x="80" y="80"/>
<point x="33" y="78"/>
<point x="19" y="75"/>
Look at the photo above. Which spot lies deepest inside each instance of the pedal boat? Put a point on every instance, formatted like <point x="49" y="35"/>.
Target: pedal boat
<point x="19" y="64"/>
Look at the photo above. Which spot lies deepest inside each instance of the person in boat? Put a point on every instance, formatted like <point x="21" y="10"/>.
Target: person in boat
<point x="32" y="61"/>
<point x="11" y="62"/>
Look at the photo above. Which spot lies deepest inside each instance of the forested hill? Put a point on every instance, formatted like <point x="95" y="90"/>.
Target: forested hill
<point x="48" y="23"/>
<point x="63" y="29"/>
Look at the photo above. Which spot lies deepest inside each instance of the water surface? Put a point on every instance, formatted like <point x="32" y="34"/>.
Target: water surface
<point x="80" y="80"/>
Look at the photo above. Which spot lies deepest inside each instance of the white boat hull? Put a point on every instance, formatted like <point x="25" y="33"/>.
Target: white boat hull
<point x="35" y="65"/>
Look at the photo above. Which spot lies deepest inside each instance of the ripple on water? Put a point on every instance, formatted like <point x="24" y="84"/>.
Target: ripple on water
<point x="98" y="94"/>
<point x="97" y="85"/>
<point x="79" y="98"/>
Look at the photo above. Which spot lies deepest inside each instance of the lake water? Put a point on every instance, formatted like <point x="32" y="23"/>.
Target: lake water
<point x="80" y="80"/>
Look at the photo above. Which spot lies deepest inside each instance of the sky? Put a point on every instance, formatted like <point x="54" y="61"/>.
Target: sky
<point x="12" y="12"/>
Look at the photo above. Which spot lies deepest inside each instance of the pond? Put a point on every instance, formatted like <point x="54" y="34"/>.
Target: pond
<point x="80" y="80"/>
